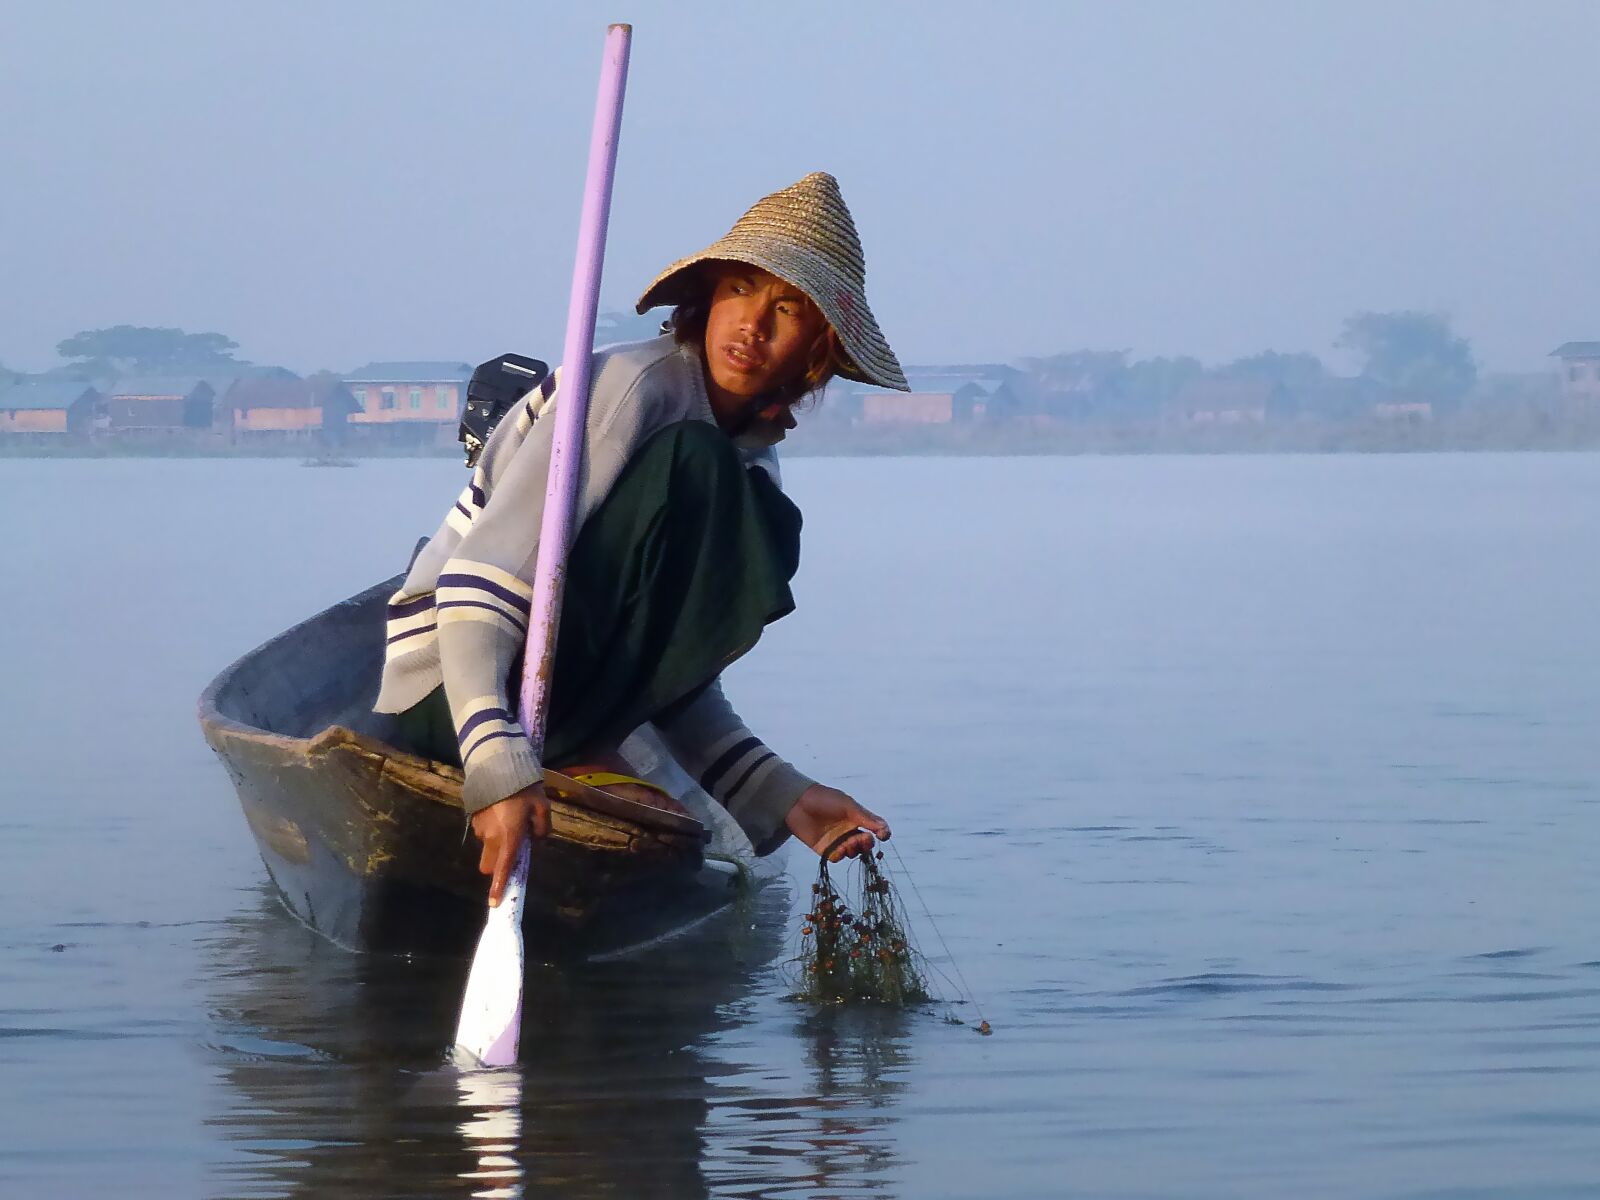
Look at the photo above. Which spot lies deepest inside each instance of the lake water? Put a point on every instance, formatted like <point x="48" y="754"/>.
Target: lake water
<point x="1258" y="800"/>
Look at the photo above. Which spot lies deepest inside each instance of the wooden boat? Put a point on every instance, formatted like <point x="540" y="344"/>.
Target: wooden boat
<point x="368" y="843"/>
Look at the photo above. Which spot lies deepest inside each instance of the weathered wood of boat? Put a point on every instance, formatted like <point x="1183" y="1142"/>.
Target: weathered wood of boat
<point x="369" y="844"/>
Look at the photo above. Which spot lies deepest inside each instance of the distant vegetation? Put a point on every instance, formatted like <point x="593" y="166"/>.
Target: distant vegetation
<point x="124" y="349"/>
<point x="1408" y="357"/>
<point x="1416" y="385"/>
<point x="1412" y="353"/>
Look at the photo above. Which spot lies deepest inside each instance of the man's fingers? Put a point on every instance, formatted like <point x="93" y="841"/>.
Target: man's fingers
<point x="502" y="870"/>
<point x="861" y="843"/>
<point x="852" y="847"/>
<point x="486" y="859"/>
<point x="541" y="816"/>
<point x="871" y="820"/>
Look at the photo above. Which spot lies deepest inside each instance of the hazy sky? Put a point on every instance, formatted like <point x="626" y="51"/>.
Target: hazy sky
<point x="330" y="183"/>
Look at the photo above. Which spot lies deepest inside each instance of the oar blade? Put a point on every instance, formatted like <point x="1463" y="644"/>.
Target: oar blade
<point x="491" y="1011"/>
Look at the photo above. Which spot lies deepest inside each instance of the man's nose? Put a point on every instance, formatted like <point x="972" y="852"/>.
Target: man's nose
<point x="758" y="320"/>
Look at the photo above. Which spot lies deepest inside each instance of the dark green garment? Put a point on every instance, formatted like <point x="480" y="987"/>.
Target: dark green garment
<point x="676" y="574"/>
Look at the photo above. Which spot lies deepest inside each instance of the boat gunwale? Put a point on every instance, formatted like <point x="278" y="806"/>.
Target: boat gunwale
<point x="427" y="777"/>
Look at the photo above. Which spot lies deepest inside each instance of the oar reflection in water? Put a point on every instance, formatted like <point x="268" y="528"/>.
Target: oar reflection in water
<point x="337" y="1080"/>
<point x="493" y="1130"/>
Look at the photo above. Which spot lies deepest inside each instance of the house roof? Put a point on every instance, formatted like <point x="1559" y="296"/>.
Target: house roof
<point x="922" y="387"/>
<point x="933" y="381"/>
<point x="271" y="393"/>
<point x="948" y="380"/>
<point x="899" y="399"/>
<point x="1576" y="350"/>
<point x="411" y="372"/>
<point x="38" y="395"/>
<point x="267" y="392"/>
<point x="157" y="385"/>
<point x="222" y="380"/>
<point x="997" y="371"/>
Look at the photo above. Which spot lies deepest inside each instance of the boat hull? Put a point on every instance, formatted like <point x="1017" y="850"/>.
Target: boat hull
<point x="369" y="844"/>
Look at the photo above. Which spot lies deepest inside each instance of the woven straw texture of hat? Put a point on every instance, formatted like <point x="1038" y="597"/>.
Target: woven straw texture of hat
<point x="803" y="234"/>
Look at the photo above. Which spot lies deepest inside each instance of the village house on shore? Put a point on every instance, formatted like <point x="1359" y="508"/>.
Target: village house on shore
<point x="158" y="405"/>
<point x="1580" y="371"/>
<point x="1229" y="402"/>
<point x="941" y="396"/>
<point x="289" y="408"/>
<point x="408" y="403"/>
<point x="51" y="408"/>
<point x="383" y="405"/>
<point x="415" y="406"/>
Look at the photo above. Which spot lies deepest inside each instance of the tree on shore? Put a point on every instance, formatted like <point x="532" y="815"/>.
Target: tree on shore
<point x="1151" y="384"/>
<point x="1298" y="373"/>
<point x="124" y="348"/>
<point x="1415" y="353"/>
<point x="1104" y="385"/>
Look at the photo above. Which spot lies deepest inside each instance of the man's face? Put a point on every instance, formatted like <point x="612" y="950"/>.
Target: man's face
<point x="759" y="333"/>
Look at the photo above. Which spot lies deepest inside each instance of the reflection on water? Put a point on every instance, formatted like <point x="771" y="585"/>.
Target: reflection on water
<point x="337" y="1079"/>
<point x="858" y="1060"/>
<point x="1256" y="797"/>
<point x="492" y="1128"/>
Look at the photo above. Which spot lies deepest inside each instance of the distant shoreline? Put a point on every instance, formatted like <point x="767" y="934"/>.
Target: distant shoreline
<point x="1072" y="440"/>
<point x="1455" y="436"/>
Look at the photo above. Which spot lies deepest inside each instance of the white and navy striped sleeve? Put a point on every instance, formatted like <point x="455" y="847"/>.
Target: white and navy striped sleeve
<point x="484" y="596"/>
<point x="713" y="745"/>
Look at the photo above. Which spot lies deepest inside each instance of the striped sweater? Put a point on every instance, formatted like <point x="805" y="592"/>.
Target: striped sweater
<point x="461" y="615"/>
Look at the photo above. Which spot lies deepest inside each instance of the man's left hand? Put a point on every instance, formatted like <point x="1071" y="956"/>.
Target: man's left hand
<point x="821" y="808"/>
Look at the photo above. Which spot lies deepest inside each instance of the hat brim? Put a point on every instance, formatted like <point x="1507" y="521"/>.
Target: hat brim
<point x="861" y="341"/>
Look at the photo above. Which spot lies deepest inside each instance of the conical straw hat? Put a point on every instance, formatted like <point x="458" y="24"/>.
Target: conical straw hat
<point x="803" y="234"/>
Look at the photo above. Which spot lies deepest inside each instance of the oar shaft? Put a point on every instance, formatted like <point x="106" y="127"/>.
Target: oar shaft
<point x="491" y="1011"/>
<point x="572" y="408"/>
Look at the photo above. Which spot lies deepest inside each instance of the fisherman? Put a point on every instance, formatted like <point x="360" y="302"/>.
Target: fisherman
<point x="684" y="551"/>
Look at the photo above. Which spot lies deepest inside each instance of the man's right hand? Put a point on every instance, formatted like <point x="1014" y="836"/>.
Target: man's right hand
<point x="501" y="828"/>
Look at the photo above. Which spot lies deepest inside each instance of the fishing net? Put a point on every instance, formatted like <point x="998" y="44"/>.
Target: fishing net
<point x="856" y="949"/>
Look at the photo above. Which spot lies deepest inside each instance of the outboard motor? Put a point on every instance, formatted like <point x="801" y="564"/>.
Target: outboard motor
<point x="495" y="388"/>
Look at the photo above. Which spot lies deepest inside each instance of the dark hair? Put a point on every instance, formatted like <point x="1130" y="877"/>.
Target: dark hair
<point x="687" y="324"/>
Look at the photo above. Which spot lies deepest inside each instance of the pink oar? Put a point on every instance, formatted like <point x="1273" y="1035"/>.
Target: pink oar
<point x="491" y="1012"/>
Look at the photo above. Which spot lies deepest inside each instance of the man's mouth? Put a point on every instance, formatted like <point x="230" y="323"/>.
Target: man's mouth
<point x="745" y="359"/>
